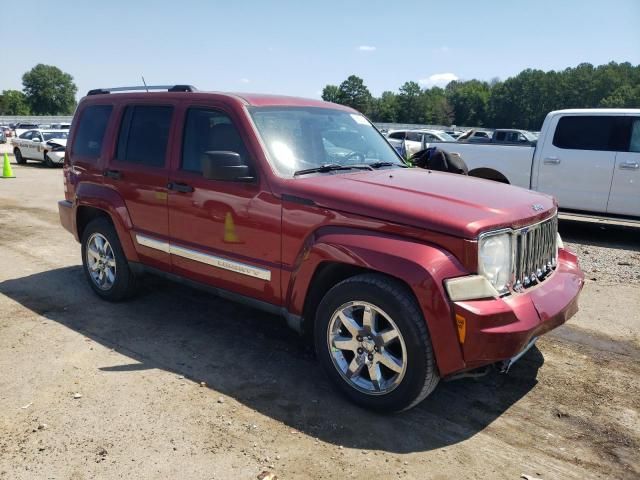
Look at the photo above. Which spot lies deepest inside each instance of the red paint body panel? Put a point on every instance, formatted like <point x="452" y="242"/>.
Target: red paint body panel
<point x="420" y="227"/>
<point x="498" y="329"/>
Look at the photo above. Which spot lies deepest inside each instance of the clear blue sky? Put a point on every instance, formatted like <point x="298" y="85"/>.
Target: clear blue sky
<point x="297" y="47"/>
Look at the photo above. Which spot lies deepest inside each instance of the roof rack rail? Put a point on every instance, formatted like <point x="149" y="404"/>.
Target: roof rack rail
<point x="168" y="88"/>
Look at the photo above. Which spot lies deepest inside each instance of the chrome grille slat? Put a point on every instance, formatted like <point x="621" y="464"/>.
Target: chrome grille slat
<point x="535" y="250"/>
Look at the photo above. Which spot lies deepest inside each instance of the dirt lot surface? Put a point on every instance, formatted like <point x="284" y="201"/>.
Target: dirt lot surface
<point x="568" y="410"/>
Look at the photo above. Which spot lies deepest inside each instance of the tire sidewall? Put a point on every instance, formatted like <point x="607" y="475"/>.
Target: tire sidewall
<point x="417" y="352"/>
<point x="121" y="285"/>
<point x="20" y="160"/>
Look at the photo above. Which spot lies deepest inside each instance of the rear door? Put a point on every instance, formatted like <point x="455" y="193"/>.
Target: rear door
<point x="577" y="163"/>
<point x="138" y="171"/>
<point x="624" y="198"/>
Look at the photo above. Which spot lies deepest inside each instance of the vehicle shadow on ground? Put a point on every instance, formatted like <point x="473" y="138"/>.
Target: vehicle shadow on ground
<point x="600" y="235"/>
<point x="255" y="359"/>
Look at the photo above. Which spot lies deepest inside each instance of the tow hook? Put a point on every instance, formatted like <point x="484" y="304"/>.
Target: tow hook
<point x="506" y="364"/>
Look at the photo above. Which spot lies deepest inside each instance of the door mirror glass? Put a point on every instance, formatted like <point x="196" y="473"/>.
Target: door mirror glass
<point x="225" y="166"/>
<point x="36" y="139"/>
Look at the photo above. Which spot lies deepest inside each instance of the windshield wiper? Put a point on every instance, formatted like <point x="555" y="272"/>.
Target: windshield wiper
<point x="330" y="167"/>
<point x="386" y="164"/>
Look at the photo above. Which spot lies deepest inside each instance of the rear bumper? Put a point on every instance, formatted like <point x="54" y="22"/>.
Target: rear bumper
<point x="65" y="210"/>
<point x="499" y="329"/>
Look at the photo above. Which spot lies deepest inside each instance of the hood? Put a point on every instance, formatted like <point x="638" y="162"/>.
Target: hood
<point x="60" y="141"/>
<point x="447" y="203"/>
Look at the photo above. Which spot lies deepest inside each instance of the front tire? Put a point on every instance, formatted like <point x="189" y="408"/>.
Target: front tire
<point x="48" y="162"/>
<point x="105" y="265"/>
<point x="373" y="343"/>
<point x="20" y="160"/>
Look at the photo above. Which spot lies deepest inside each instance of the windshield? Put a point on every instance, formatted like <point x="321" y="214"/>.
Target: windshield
<point x="52" y="135"/>
<point x="299" y="138"/>
<point x="445" y="137"/>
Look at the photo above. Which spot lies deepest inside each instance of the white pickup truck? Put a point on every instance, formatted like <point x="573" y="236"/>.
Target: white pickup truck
<point x="589" y="159"/>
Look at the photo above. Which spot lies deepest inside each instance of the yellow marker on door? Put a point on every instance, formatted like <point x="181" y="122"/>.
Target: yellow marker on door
<point x="230" y="235"/>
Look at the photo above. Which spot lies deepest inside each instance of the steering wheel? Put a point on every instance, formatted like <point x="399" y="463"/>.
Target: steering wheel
<point x="354" y="157"/>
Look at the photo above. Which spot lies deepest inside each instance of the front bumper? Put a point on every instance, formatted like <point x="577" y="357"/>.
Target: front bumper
<point x="56" y="157"/>
<point x="499" y="329"/>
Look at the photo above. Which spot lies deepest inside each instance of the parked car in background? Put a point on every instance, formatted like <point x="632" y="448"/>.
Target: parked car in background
<point x="20" y="128"/>
<point x="454" y="133"/>
<point x="42" y="145"/>
<point x="411" y="141"/>
<point x="400" y="276"/>
<point x="8" y="132"/>
<point x="511" y="136"/>
<point x="589" y="159"/>
<point x="60" y="126"/>
<point x="475" y="136"/>
<point x="3" y="137"/>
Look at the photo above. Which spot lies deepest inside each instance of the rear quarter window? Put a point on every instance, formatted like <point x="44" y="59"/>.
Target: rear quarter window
<point x="92" y="125"/>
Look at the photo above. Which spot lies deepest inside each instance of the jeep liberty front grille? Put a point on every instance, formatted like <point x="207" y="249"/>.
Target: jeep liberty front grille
<point x="535" y="253"/>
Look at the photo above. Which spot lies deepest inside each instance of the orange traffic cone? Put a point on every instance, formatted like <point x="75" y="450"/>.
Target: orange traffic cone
<point x="6" y="168"/>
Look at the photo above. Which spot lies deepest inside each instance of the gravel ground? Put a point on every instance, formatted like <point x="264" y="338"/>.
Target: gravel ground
<point x="608" y="254"/>
<point x="179" y="384"/>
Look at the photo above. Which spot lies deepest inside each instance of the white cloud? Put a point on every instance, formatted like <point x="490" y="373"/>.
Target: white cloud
<point x="244" y="80"/>
<point x="367" y="48"/>
<point x="438" y="79"/>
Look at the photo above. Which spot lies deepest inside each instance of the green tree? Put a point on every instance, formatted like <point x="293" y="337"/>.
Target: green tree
<point x="355" y="94"/>
<point x="13" y="102"/>
<point x="470" y="101"/>
<point x="409" y="104"/>
<point x="331" y="93"/>
<point x="49" y="90"/>
<point x="385" y="108"/>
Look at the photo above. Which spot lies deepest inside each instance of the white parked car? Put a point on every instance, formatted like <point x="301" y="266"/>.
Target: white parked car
<point x="589" y="159"/>
<point x="43" y="145"/>
<point x="413" y="139"/>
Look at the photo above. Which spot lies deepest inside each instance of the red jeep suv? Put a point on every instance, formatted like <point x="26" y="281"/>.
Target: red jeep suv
<point x="300" y="207"/>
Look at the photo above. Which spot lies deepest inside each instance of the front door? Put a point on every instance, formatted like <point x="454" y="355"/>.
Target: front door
<point x="223" y="233"/>
<point x="577" y="163"/>
<point x="625" y="187"/>
<point x="138" y="171"/>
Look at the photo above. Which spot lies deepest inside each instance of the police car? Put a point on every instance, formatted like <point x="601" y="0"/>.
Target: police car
<point x="43" y="145"/>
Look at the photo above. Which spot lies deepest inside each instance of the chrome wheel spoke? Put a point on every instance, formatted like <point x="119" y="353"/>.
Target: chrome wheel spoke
<point x="100" y="261"/>
<point x="110" y="276"/>
<point x="111" y="262"/>
<point x="375" y="375"/>
<point x="350" y="324"/>
<point x="388" y="336"/>
<point x="355" y="367"/>
<point x="389" y="361"/>
<point x="368" y="319"/>
<point x="93" y="253"/>
<point x="345" y="343"/>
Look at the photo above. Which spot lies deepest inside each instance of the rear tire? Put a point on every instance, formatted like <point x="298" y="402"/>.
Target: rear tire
<point x="104" y="263"/>
<point x="365" y="348"/>
<point x="20" y="160"/>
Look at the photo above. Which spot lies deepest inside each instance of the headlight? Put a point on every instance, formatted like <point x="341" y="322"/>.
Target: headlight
<point x="494" y="260"/>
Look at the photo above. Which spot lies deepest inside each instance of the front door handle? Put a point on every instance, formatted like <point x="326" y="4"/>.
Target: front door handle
<point x="630" y="165"/>
<point x="115" y="174"/>
<point x="180" y="187"/>
<point x="551" y="160"/>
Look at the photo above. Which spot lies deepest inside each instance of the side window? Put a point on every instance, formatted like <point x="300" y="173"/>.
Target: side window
<point x="500" y="136"/>
<point x="27" y="135"/>
<point x="414" y="137"/>
<point x="584" y="133"/>
<point x="144" y="134"/>
<point x="209" y="130"/>
<point x="397" y="135"/>
<point x="92" y="125"/>
<point x="634" y="144"/>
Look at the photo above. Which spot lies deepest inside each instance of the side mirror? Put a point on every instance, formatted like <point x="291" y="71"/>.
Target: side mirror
<point x="36" y="139"/>
<point x="226" y="166"/>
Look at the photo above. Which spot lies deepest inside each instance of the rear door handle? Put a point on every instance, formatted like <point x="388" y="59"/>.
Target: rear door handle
<point x="630" y="165"/>
<point x="115" y="174"/>
<point x="180" y="187"/>
<point x="551" y="160"/>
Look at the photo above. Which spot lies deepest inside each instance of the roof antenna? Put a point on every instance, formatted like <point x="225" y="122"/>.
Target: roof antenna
<point x="145" y="83"/>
